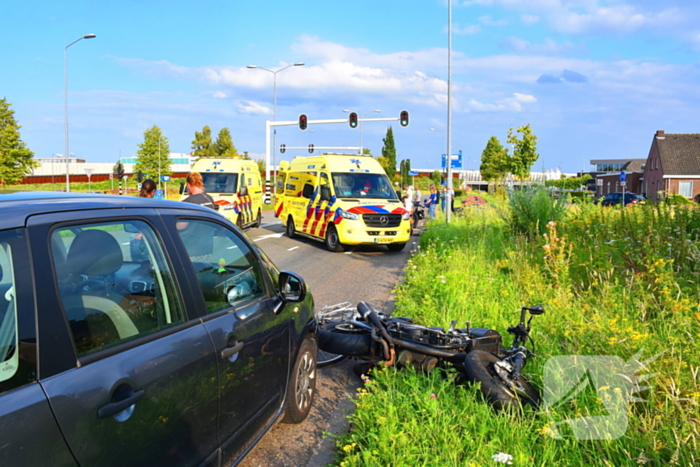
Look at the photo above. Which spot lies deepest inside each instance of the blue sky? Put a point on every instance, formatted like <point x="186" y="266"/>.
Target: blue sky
<point x="594" y="78"/>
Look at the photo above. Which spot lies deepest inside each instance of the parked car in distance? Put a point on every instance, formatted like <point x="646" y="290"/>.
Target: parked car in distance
<point x="613" y="199"/>
<point x="140" y="332"/>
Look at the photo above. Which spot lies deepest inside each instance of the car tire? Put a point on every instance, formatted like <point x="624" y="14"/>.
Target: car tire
<point x="258" y="221"/>
<point x="301" y="386"/>
<point x="291" y="231"/>
<point x="396" y="246"/>
<point x="478" y="366"/>
<point x="332" y="240"/>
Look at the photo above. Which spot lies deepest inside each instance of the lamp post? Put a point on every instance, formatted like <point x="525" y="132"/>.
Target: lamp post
<point x="274" y="115"/>
<point x="65" y="102"/>
<point x="360" y="121"/>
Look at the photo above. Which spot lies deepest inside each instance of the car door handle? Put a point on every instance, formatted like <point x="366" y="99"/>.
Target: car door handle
<point x="228" y="351"/>
<point x="114" y="408"/>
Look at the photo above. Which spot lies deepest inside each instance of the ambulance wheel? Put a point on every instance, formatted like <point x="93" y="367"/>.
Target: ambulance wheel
<point x="291" y="231"/>
<point x="332" y="239"/>
<point x="395" y="246"/>
<point x="258" y="221"/>
<point x="239" y="221"/>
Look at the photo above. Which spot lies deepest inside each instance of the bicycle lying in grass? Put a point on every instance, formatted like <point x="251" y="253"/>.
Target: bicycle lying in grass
<point x="371" y="337"/>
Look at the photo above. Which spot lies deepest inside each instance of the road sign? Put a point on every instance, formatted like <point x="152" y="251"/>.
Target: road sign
<point x="599" y="182"/>
<point x="412" y="173"/>
<point x="165" y="178"/>
<point x="311" y="148"/>
<point x="623" y="184"/>
<point x="455" y="161"/>
<point x="283" y="148"/>
<point x="623" y="176"/>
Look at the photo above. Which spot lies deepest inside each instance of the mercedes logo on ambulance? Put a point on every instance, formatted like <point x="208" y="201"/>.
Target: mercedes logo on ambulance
<point x="384" y="220"/>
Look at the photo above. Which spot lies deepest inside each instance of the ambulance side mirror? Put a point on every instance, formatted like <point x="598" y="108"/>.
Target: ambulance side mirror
<point x="325" y="193"/>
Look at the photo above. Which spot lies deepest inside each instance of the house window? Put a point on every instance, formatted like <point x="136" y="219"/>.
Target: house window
<point x="685" y="189"/>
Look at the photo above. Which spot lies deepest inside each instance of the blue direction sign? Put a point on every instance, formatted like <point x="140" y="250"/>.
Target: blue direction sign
<point x="455" y="160"/>
<point x="623" y="177"/>
<point x="412" y="173"/>
<point x="165" y="178"/>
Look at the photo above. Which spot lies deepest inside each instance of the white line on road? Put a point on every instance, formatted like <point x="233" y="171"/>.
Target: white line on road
<point x="292" y="248"/>
<point x="277" y="235"/>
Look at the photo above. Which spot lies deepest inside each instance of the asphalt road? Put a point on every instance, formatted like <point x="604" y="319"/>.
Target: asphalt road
<point x="361" y="273"/>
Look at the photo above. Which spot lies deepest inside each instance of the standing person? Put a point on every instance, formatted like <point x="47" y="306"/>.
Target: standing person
<point x="418" y="195"/>
<point x="148" y="189"/>
<point x="408" y="198"/>
<point x="432" y="201"/>
<point x="197" y="195"/>
<point x="443" y="199"/>
<point x="139" y="252"/>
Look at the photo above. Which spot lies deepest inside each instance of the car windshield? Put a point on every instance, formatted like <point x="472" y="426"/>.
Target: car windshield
<point x="220" y="182"/>
<point x="363" y="185"/>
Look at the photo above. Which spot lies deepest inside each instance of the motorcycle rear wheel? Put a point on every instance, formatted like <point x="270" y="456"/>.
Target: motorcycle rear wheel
<point x="338" y="338"/>
<point x="479" y="367"/>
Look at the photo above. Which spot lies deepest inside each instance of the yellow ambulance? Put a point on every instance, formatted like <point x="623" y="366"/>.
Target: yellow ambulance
<point x="236" y="187"/>
<point x="342" y="200"/>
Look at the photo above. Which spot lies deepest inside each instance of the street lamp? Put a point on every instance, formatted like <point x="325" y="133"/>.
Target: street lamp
<point x="274" y="115"/>
<point x="360" y="120"/>
<point x="65" y="102"/>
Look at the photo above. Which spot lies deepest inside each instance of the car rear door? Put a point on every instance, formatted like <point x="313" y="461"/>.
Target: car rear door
<point x="129" y="370"/>
<point x="252" y="343"/>
<point x="28" y="429"/>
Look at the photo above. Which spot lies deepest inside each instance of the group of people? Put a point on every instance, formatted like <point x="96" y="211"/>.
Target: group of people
<point x="195" y="188"/>
<point x="412" y="199"/>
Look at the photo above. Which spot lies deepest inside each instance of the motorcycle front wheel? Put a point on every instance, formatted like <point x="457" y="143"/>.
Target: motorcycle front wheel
<point x="479" y="367"/>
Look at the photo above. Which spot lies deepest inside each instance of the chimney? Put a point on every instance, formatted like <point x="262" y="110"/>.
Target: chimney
<point x="660" y="134"/>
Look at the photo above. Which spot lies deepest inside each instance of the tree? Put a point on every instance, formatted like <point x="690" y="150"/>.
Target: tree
<point x="224" y="144"/>
<point x="524" y="152"/>
<point x="152" y="157"/>
<point x="388" y="158"/>
<point x="436" y="177"/>
<point x="16" y="160"/>
<point x="495" y="162"/>
<point x="405" y="169"/>
<point x="202" y="144"/>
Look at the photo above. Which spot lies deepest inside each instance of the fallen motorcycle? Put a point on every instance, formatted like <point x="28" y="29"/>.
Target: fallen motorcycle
<point x="371" y="337"/>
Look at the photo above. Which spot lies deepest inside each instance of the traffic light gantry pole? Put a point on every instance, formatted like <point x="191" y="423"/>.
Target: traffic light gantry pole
<point x="269" y="125"/>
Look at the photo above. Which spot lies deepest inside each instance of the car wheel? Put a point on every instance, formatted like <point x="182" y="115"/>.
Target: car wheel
<point x="258" y="221"/>
<point x="300" y="389"/>
<point x="291" y="231"/>
<point x="332" y="239"/>
<point x="395" y="246"/>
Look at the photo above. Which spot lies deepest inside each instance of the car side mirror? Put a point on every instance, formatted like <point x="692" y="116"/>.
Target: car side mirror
<point x="291" y="288"/>
<point x="325" y="193"/>
<point x="244" y="190"/>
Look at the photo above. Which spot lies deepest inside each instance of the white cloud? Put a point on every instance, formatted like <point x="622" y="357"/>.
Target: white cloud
<point x="529" y="19"/>
<point x="548" y="47"/>
<point x="220" y="95"/>
<point x="466" y="30"/>
<point x="486" y="19"/>
<point x="255" y="108"/>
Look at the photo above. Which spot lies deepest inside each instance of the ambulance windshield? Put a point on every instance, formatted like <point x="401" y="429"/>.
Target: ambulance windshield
<point x="220" y="182"/>
<point x="362" y="185"/>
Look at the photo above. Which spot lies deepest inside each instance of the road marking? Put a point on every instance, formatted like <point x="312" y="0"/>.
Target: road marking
<point x="268" y="224"/>
<point x="277" y="235"/>
<point x="292" y="248"/>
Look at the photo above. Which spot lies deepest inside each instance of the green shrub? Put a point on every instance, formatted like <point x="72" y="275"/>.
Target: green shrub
<point x="677" y="200"/>
<point x="531" y="211"/>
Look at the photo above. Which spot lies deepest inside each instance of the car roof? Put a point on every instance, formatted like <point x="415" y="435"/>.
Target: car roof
<point x="17" y="207"/>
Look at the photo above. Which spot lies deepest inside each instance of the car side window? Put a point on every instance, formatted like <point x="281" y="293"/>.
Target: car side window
<point x="18" y="350"/>
<point x="227" y="270"/>
<point x="114" y="282"/>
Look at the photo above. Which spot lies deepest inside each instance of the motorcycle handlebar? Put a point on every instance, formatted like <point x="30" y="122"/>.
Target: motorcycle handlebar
<point x="364" y="309"/>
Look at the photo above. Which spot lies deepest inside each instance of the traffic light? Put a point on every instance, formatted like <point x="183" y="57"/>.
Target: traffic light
<point x="403" y="118"/>
<point x="303" y="122"/>
<point x="120" y="174"/>
<point x="352" y="120"/>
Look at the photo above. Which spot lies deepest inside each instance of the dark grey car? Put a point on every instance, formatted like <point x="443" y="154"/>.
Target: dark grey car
<point x="143" y="332"/>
